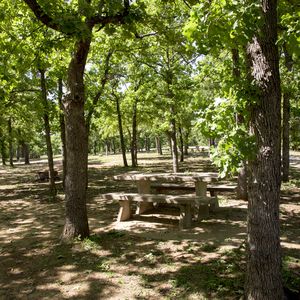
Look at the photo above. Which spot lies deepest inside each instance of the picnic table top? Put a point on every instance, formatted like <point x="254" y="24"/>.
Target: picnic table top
<point x="169" y="177"/>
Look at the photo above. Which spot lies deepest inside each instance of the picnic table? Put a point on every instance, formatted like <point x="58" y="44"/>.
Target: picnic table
<point x="145" y="197"/>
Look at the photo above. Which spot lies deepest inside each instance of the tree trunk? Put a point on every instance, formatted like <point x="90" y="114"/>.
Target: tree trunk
<point x="158" y="145"/>
<point x="286" y="136"/>
<point x="25" y="150"/>
<point x="263" y="281"/>
<point x="3" y="150"/>
<point x="76" y="223"/>
<point x="286" y="121"/>
<point x="242" y="182"/>
<point x="18" y="152"/>
<point x="52" y="186"/>
<point x="181" y="146"/>
<point x="174" y="142"/>
<point x="62" y="130"/>
<point x="134" y="136"/>
<point x="242" y="192"/>
<point x="186" y="143"/>
<point x="113" y="145"/>
<point x="10" y="143"/>
<point x="122" y="142"/>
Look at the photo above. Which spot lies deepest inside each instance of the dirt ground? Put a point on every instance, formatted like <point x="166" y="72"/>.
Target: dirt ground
<point x="147" y="257"/>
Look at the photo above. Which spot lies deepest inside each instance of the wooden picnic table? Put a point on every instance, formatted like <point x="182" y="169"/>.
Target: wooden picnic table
<point x="145" y="180"/>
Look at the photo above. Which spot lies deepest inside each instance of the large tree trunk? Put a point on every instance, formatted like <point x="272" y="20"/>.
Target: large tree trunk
<point x="62" y="130"/>
<point x="134" y="136"/>
<point x="286" y="122"/>
<point x="10" y="143"/>
<point x="122" y="142"/>
<point x="48" y="134"/>
<point x="76" y="223"/>
<point x="263" y="280"/>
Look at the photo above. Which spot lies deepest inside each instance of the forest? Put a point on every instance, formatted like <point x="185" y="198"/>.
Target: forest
<point x="93" y="90"/>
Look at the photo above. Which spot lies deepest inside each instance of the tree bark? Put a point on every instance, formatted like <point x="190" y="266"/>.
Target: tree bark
<point x="174" y="141"/>
<point x="76" y="178"/>
<point x="286" y="136"/>
<point x="286" y="122"/>
<point x="52" y="186"/>
<point x="122" y="142"/>
<point x="3" y="150"/>
<point x="10" y="143"/>
<point x="263" y="281"/>
<point x="158" y="145"/>
<point x="181" y="146"/>
<point x="242" y="191"/>
<point x="25" y="150"/>
<point x="134" y="162"/>
<point x="62" y="130"/>
<point x="186" y="143"/>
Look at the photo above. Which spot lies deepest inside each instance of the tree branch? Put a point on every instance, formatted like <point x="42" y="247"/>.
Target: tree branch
<point x="42" y="16"/>
<point x="141" y="36"/>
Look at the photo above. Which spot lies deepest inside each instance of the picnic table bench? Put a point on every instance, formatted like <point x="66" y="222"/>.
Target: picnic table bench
<point x="212" y="188"/>
<point x="185" y="203"/>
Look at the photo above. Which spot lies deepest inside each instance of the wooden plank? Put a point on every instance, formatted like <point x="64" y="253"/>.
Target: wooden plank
<point x="223" y="187"/>
<point x="169" y="177"/>
<point x="157" y="198"/>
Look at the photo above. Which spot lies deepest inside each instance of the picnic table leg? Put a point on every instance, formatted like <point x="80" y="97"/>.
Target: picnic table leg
<point x="144" y="187"/>
<point x="201" y="189"/>
<point x="185" y="219"/>
<point x="124" y="211"/>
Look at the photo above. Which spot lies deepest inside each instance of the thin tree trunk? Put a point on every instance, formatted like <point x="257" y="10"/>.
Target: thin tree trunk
<point x="263" y="281"/>
<point x="286" y="121"/>
<point x="10" y="143"/>
<point x="286" y="137"/>
<point x="174" y="142"/>
<point x="134" y="136"/>
<point x="122" y="142"/>
<point x="48" y="134"/>
<point x="18" y="152"/>
<point x="25" y="149"/>
<point x="62" y="130"/>
<point x="181" y="144"/>
<point x="158" y="145"/>
<point x="76" y="180"/>
<point x="113" y="144"/>
<point x="3" y="150"/>
<point x="186" y="143"/>
<point x="242" y="192"/>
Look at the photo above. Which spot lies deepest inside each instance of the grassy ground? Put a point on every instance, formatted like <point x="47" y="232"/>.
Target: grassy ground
<point x="144" y="258"/>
